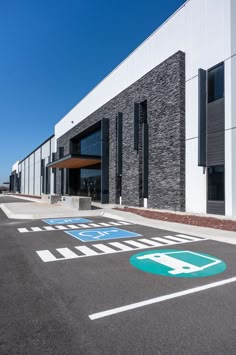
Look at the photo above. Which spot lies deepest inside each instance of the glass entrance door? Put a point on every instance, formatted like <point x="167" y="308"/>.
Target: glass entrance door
<point x="90" y="183"/>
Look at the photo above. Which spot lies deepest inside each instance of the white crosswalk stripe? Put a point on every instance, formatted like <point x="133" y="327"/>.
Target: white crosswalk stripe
<point x="61" y="227"/>
<point x="164" y="241"/>
<point x="71" y="226"/>
<point x="176" y="239"/>
<point x="86" y="250"/>
<point x="36" y="229"/>
<point x="67" y="253"/>
<point x="150" y="242"/>
<point x="23" y="230"/>
<point x="48" y="228"/>
<point x="103" y="249"/>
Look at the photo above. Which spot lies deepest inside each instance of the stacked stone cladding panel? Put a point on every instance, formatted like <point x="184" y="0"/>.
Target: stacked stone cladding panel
<point x="164" y="89"/>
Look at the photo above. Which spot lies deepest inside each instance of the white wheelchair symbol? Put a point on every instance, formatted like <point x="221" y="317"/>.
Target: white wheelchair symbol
<point x="97" y="234"/>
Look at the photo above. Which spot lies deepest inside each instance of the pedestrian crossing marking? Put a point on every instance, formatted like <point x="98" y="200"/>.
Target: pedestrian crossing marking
<point x="50" y="228"/>
<point x="105" y="249"/>
<point x="67" y="253"/>
<point x="165" y="241"/>
<point x="46" y="255"/>
<point x="23" y="230"/>
<point x="121" y="246"/>
<point x="176" y="239"/>
<point x="70" y="226"/>
<point x="86" y="250"/>
<point x="150" y="242"/>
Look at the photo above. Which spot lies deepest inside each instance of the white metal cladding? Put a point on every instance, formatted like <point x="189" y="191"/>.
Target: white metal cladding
<point x="15" y="166"/>
<point x="201" y="29"/>
<point x="30" y="167"/>
<point x="37" y="171"/>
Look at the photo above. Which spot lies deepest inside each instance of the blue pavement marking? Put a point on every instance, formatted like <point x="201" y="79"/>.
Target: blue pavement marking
<point x="94" y="235"/>
<point x="66" y="220"/>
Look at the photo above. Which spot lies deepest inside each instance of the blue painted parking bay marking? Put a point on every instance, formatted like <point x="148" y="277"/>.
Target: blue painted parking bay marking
<point x="94" y="235"/>
<point x="66" y="220"/>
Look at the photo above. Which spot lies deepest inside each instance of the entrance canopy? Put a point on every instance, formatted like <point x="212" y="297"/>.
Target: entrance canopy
<point x="75" y="161"/>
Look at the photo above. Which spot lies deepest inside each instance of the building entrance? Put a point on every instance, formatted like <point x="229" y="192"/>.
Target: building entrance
<point x="85" y="182"/>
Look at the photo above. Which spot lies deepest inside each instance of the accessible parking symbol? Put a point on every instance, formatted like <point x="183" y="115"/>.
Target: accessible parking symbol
<point x="66" y="220"/>
<point x="94" y="235"/>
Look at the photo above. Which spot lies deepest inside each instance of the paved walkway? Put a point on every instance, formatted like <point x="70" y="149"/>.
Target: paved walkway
<point x="41" y="210"/>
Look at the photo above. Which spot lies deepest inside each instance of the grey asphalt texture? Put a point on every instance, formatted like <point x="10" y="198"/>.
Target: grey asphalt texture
<point x="44" y="307"/>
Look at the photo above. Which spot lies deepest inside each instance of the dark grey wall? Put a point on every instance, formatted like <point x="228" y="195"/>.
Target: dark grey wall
<point x="164" y="89"/>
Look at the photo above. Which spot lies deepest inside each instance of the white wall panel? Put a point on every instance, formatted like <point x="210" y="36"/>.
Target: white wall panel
<point x="31" y="174"/>
<point x="233" y="27"/>
<point x="195" y="180"/>
<point x="22" y="177"/>
<point x="46" y="150"/>
<point x="192" y="108"/>
<point x="15" y="166"/>
<point x="27" y="176"/>
<point x="201" y="28"/>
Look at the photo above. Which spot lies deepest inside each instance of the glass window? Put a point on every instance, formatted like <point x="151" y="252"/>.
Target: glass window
<point x="216" y="183"/>
<point x="91" y="145"/>
<point x="216" y="83"/>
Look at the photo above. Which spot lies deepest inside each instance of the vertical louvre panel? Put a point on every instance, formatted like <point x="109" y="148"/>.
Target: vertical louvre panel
<point x="119" y="125"/>
<point x="136" y="125"/>
<point x="105" y="161"/>
<point x="145" y="160"/>
<point x="215" y="133"/>
<point x="201" y="117"/>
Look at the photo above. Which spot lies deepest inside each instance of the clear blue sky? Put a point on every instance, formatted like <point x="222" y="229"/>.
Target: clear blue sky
<point x="53" y="52"/>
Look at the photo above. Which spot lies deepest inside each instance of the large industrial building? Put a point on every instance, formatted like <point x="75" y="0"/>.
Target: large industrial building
<point x="160" y="130"/>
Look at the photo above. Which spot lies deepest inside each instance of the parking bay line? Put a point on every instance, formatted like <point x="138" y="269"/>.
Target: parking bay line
<point x="160" y="299"/>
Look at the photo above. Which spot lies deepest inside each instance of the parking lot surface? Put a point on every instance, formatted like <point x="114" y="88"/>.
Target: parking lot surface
<point x="102" y="286"/>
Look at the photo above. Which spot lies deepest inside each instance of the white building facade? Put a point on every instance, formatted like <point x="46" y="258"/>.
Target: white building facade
<point x="204" y="31"/>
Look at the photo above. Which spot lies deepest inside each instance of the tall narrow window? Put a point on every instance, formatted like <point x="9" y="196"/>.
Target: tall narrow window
<point x="216" y="183"/>
<point x="61" y="152"/>
<point x="216" y="83"/>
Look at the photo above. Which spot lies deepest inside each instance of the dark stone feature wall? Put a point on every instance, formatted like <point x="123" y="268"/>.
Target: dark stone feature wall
<point x="164" y="89"/>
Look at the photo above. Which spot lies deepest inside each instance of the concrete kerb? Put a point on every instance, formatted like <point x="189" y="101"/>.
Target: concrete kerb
<point x="203" y="232"/>
<point x="35" y="211"/>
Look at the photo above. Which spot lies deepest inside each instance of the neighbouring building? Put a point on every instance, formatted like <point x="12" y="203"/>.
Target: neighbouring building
<point x="160" y="130"/>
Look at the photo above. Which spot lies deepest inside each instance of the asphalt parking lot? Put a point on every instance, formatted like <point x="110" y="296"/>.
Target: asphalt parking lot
<point x="103" y="287"/>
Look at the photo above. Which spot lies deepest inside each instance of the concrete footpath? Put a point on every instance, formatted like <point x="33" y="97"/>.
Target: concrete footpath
<point x="37" y="209"/>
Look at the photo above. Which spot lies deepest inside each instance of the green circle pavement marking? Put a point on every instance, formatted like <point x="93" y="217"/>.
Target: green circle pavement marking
<point x="178" y="263"/>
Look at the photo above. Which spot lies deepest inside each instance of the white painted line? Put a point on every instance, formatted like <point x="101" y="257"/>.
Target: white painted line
<point x="121" y="246"/>
<point x="187" y="237"/>
<point x="67" y="253"/>
<point x="104" y="248"/>
<point x="23" y="230"/>
<point x="114" y="223"/>
<point x="94" y="225"/>
<point x="104" y="224"/>
<point x="136" y="244"/>
<point x="176" y="239"/>
<point x="36" y="229"/>
<point x="87" y="251"/>
<point x="164" y="241"/>
<point x="61" y="227"/>
<point x="160" y="299"/>
<point x="125" y="223"/>
<point x="150" y="242"/>
<point x="72" y="226"/>
<point x="83" y="225"/>
<point x="49" y="228"/>
<point x="46" y="255"/>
